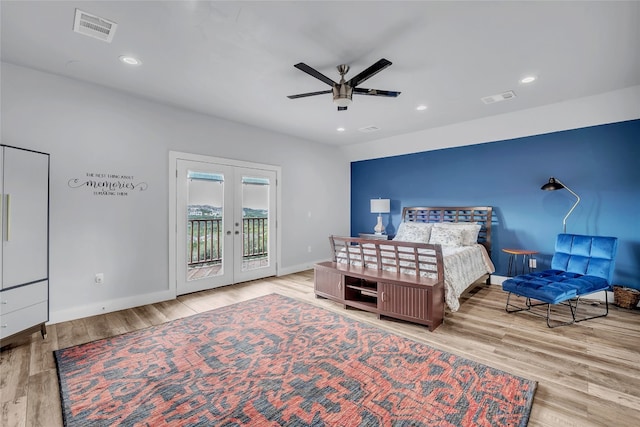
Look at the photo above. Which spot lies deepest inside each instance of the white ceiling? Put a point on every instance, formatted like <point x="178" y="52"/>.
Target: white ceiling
<point x="235" y="59"/>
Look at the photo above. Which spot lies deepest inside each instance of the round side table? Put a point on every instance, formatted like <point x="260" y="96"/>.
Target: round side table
<point x="513" y="261"/>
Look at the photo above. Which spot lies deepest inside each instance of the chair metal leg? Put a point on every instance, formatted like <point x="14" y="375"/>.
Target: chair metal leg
<point x="606" y="312"/>
<point x="556" y="324"/>
<point x="517" y="308"/>
<point x="550" y="322"/>
<point x="528" y="305"/>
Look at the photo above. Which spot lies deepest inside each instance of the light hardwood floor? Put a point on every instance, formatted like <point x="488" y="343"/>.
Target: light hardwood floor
<point x="588" y="374"/>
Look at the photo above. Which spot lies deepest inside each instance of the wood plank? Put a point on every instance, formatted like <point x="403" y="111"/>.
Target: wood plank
<point x="43" y="405"/>
<point x="13" y="412"/>
<point x="14" y="372"/>
<point x="42" y="351"/>
<point x="128" y="320"/>
<point x="72" y="333"/>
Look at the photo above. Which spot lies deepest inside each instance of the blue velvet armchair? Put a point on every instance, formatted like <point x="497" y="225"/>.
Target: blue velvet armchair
<point x="581" y="265"/>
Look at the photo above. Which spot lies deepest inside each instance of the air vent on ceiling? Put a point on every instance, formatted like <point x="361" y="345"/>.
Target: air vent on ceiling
<point x="368" y="129"/>
<point x="500" y="97"/>
<point x="94" y="26"/>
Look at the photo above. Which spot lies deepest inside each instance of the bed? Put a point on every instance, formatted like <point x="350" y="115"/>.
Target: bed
<point x="464" y="237"/>
<point x="466" y="254"/>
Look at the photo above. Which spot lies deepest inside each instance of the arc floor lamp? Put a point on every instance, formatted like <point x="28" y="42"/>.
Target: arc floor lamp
<point x="556" y="184"/>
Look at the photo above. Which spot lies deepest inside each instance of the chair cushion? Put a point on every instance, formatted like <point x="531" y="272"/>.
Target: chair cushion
<point x="588" y="255"/>
<point x="554" y="286"/>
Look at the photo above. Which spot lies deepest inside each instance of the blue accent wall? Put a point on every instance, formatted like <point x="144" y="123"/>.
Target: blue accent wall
<point x="600" y="163"/>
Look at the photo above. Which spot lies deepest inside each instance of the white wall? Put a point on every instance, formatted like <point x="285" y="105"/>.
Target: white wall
<point x="91" y="129"/>
<point x="609" y="107"/>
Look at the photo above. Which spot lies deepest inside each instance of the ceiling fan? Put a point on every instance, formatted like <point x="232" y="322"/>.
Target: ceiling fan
<point x="343" y="91"/>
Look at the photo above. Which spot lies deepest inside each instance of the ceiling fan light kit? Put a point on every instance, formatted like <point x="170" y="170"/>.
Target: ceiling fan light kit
<point x="343" y="91"/>
<point x="342" y="96"/>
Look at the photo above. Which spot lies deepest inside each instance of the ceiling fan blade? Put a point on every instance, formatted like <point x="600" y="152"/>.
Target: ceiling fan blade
<point x="369" y="72"/>
<point x="317" y="74"/>
<point x="342" y="108"/>
<point x="375" y="92"/>
<point x="302" y="95"/>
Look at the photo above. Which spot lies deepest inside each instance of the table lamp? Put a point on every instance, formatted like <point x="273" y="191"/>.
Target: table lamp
<point x="380" y="206"/>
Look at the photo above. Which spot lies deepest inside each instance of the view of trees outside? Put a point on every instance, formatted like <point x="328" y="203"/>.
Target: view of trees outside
<point x="205" y="215"/>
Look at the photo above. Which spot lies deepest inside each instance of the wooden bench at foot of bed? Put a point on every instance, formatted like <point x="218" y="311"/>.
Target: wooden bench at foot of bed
<point x="386" y="278"/>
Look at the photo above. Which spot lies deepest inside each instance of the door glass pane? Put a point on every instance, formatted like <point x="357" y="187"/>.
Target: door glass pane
<point x="204" y="225"/>
<point x="255" y="223"/>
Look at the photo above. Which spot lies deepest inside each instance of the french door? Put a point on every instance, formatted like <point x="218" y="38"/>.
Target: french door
<point x="225" y="224"/>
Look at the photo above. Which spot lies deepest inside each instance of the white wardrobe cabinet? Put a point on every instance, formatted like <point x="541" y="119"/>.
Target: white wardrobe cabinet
<point x="24" y="254"/>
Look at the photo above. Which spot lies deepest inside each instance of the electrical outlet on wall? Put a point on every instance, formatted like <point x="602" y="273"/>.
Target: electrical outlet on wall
<point x="99" y="278"/>
<point x="532" y="263"/>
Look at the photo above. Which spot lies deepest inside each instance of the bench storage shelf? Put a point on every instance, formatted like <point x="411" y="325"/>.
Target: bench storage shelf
<point x="393" y="291"/>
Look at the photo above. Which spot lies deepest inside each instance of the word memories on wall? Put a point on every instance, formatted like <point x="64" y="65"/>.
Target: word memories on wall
<point x="108" y="184"/>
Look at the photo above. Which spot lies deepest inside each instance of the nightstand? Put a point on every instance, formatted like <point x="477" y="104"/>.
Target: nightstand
<point x="373" y="236"/>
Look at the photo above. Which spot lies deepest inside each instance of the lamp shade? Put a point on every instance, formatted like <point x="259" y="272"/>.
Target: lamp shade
<point x="380" y="206"/>
<point x="553" y="184"/>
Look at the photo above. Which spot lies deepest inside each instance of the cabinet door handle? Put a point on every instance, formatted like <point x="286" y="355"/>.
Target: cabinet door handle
<point x="339" y="285"/>
<point x="382" y="296"/>
<point x="8" y="216"/>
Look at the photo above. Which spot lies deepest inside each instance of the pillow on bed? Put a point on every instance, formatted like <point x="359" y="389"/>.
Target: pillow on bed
<point x="447" y="236"/>
<point x="417" y="232"/>
<point x="470" y="230"/>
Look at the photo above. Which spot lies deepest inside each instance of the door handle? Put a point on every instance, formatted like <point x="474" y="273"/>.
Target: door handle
<point x="228" y="232"/>
<point x="7" y="207"/>
<point x="237" y="232"/>
<point x="8" y="217"/>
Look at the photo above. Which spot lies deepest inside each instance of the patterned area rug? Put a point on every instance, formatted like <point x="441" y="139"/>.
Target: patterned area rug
<point x="275" y="361"/>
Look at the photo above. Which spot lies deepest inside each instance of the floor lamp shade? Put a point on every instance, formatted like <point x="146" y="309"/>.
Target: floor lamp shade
<point x="556" y="184"/>
<point x="380" y="206"/>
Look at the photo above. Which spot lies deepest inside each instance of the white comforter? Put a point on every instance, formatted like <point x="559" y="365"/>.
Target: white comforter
<point x="462" y="267"/>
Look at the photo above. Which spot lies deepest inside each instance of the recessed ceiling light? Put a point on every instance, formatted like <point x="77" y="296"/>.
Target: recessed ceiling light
<point x="130" y="60"/>
<point x="421" y="107"/>
<point x="341" y="129"/>
<point x="528" y="79"/>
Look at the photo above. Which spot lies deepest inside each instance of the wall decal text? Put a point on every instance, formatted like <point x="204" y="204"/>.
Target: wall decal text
<point x="107" y="184"/>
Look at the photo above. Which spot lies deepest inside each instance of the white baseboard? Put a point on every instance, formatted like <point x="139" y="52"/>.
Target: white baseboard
<point x="298" y="268"/>
<point x="109" y="306"/>
<point x="497" y="280"/>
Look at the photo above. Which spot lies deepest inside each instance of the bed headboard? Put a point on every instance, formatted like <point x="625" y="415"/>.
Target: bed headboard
<point x="478" y="214"/>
